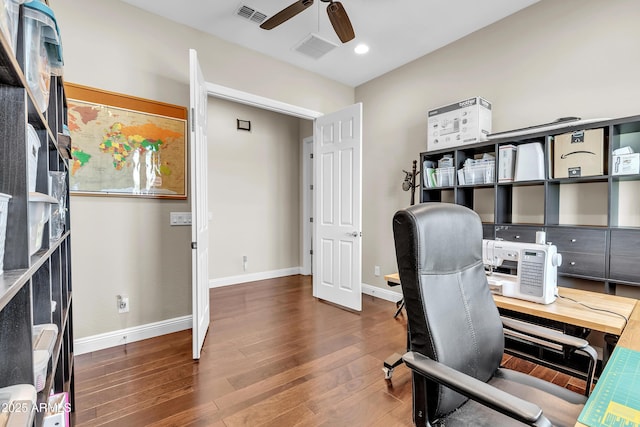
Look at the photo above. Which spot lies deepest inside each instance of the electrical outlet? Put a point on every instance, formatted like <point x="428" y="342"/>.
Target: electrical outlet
<point x="123" y="303"/>
<point x="376" y="270"/>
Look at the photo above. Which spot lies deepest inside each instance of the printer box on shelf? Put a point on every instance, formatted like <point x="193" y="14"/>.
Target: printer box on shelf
<point x="579" y="153"/>
<point x="626" y="164"/>
<point x="465" y="122"/>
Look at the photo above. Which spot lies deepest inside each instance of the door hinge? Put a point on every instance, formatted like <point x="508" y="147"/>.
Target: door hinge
<point x="311" y="155"/>
<point x="311" y="251"/>
<point x="193" y="119"/>
<point x="194" y="245"/>
<point x="311" y="219"/>
<point x="311" y="187"/>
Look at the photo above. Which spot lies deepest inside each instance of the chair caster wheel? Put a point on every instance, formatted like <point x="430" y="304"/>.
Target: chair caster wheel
<point x="387" y="373"/>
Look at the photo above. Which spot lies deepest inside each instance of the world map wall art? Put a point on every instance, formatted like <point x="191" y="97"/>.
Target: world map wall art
<point x="125" y="146"/>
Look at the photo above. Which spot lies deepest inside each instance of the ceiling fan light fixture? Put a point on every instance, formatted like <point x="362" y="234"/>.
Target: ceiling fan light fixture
<point x="361" y="49"/>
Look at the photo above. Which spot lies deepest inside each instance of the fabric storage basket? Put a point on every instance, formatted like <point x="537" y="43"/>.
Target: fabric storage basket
<point x="4" y="210"/>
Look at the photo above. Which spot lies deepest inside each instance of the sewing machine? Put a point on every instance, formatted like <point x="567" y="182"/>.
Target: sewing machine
<point x="536" y="269"/>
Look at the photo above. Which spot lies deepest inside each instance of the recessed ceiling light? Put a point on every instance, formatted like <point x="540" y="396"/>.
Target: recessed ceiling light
<point x="361" y="49"/>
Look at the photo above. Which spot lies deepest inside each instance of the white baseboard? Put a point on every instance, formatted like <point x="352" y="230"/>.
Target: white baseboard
<point x="136" y="333"/>
<point x="385" y="294"/>
<point x="252" y="277"/>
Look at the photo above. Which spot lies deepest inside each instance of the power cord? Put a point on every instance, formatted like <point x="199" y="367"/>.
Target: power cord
<point x="597" y="309"/>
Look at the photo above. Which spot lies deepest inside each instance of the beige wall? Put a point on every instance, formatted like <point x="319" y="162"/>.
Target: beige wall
<point x="254" y="193"/>
<point x="554" y="59"/>
<point x="126" y="245"/>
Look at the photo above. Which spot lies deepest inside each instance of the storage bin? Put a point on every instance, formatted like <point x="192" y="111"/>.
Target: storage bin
<point x="44" y="17"/>
<point x="39" y="212"/>
<point x="37" y="68"/>
<point x="444" y="176"/>
<point x="4" y="210"/>
<point x="9" y="15"/>
<point x="40" y="364"/>
<point x="58" y="409"/>
<point x="479" y="171"/>
<point x="18" y="405"/>
<point x="33" y="146"/>
<point x="44" y="337"/>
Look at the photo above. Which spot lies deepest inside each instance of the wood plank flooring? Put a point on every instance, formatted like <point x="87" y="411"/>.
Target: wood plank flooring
<point x="274" y="356"/>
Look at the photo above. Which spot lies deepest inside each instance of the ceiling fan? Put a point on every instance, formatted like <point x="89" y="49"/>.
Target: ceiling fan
<point x="337" y="15"/>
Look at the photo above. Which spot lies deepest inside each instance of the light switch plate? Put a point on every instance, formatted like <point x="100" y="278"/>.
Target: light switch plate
<point x="180" y="218"/>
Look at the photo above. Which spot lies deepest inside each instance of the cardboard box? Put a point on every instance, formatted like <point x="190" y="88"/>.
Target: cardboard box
<point x="506" y="163"/>
<point x="465" y="122"/>
<point x="626" y="164"/>
<point x="579" y="153"/>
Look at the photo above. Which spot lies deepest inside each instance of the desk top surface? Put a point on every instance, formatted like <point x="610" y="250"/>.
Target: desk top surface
<point x="567" y="311"/>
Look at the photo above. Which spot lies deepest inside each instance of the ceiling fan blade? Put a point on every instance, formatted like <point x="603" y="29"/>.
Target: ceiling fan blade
<point x="340" y="21"/>
<point x="286" y="14"/>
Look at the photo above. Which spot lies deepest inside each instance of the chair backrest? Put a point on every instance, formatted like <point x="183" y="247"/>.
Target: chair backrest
<point x="452" y="317"/>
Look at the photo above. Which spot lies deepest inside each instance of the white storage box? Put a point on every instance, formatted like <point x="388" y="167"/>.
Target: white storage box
<point x="17" y="405"/>
<point x="530" y="162"/>
<point x="44" y="337"/>
<point x="506" y="163"/>
<point x="58" y="409"/>
<point x="465" y="122"/>
<point x="4" y="211"/>
<point x="40" y="365"/>
<point x="9" y="14"/>
<point x="33" y="146"/>
<point x="39" y="212"/>
<point x="626" y="164"/>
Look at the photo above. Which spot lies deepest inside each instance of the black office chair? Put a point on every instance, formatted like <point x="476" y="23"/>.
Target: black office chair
<point x="456" y="333"/>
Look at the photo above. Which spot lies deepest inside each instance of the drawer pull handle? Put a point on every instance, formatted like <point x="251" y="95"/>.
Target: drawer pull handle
<point x="572" y="263"/>
<point x="517" y="237"/>
<point x="573" y="240"/>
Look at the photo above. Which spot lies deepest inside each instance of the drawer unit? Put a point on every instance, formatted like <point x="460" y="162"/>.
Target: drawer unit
<point x="624" y="268"/>
<point x="517" y="233"/>
<point x="583" y="264"/>
<point x="488" y="231"/>
<point x="625" y="243"/>
<point x="578" y="240"/>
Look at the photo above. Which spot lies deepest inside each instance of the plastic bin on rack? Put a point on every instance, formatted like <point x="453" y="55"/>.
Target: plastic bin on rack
<point x="33" y="146"/>
<point x="22" y="399"/>
<point x="44" y="337"/>
<point x="445" y="176"/>
<point x="43" y="50"/>
<point x="480" y="171"/>
<point x="9" y="15"/>
<point x="39" y="212"/>
<point x="4" y="209"/>
<point x="40" y="365"/>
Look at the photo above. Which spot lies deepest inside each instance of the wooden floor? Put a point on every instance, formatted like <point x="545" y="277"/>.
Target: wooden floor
<point x="274" y="356"/>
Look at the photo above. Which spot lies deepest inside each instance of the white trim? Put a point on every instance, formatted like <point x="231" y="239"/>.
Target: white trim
<point x="129" y="335"/>
<point x="382" y="293"/>
<point x="246" y="98"/>
<point x="252" y="277"/>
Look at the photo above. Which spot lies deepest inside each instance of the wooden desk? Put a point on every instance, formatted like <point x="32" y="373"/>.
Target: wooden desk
<point x="569" y="312"/>
<point x="630" y="339"/>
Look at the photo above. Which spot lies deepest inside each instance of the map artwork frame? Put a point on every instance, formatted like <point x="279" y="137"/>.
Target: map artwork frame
<point x="125" y="146"/>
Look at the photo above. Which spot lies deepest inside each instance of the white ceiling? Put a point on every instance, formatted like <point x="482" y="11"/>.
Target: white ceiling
<point x="397" y="31"/>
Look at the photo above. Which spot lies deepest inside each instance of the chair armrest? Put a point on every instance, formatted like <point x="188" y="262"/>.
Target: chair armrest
<point x="544" y="333"/>
<point x="481" y="392"/>
<point x="547" y="337"/>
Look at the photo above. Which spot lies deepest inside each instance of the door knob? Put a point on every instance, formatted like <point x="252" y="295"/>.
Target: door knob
<point x="354" y="234"/>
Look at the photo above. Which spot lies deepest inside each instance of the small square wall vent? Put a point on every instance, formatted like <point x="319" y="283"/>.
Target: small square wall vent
<point x="251" y="14"/>
<point x="314" y="46"/>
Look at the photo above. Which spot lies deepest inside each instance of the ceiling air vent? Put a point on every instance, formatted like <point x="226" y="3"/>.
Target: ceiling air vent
<point x="251" y="14"/>
<point x="314" y="46"/>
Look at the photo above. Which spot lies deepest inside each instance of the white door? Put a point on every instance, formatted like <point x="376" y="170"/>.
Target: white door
<point x="199" y="205"/>
<point x="337" y="245"/>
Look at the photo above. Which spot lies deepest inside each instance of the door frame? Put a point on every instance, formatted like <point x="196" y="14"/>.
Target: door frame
<point x="234" y="95"/>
